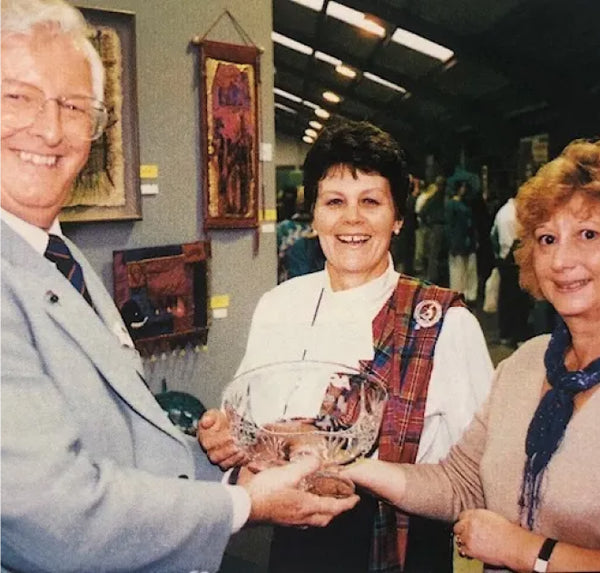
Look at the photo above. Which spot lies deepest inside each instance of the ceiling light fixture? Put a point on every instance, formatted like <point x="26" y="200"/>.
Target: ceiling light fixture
<point x="310" y="132"/>
<point x="346" y="71"/>
<point x="420" y="44"/>
<point x="354" y="18"/>
<point x="285" y="108"/>
<point x="308" y="139"/>
<point x="316" y="5"/>
<point x="310" y="104"/>
<point x="327" y="58"/>
<point x="331" y="97"/>
<point x="315" y="124"/>
<point x="384" y="82"/>
<point x="292" y="44"/>
<point x="322" y="113"/>
<point x="287" y="95"/>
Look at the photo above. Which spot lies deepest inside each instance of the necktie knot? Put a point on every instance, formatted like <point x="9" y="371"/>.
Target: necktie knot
<point x="58" y="252"/>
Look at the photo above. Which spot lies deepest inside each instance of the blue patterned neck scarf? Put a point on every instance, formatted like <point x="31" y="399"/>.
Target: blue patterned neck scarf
<point x="553" y="413"/>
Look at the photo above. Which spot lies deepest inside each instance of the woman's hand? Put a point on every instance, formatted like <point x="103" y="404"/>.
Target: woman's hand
<point x="215" y="438"/>
<point x="385" y="480"/>
<point x="487" y="536"/>
<point x="491" y="538"/>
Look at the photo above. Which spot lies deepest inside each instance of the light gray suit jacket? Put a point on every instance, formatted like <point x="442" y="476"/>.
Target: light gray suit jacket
<point x="91" y="465"/>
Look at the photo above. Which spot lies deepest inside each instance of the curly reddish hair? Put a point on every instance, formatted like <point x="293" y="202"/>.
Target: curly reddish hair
<point x="575" y="171"/>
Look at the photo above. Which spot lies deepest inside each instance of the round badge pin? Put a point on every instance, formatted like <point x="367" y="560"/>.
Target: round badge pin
<point x="427" y="313"/>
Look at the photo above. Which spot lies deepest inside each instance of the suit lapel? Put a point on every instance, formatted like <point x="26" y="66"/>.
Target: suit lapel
<point x="101" y="334"/>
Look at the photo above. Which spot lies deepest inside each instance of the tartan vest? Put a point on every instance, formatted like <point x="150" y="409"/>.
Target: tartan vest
<point x="404" y="339"/>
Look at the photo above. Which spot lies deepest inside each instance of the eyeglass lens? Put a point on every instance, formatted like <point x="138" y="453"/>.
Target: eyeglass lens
<point x="81" y="117"/>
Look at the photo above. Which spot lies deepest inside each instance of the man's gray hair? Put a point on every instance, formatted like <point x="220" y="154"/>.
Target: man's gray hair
<point x="21" y="17"/>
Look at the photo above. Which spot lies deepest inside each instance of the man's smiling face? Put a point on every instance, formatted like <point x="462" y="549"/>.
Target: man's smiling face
<point x="39" y="162"/>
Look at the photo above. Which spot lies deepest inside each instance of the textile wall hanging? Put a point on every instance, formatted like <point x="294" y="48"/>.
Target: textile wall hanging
<point x="162" y="295"/>
<point x="229" y="134"/>
<point x="108" y="187"/>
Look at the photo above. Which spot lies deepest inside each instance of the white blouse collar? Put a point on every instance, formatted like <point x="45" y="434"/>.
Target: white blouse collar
<point x="370" y="296"/>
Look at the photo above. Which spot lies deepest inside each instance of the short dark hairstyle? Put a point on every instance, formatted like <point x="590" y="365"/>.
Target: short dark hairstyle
<point x="360" y="146"/>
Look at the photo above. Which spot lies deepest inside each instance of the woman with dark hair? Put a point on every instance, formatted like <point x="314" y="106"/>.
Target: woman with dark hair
<point x="419" y="338"/>
<point x="522" y="482"/>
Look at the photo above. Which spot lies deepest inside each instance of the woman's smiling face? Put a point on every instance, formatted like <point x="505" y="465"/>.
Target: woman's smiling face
<point x="566" y="259"/>
<point x="354" y="217"/>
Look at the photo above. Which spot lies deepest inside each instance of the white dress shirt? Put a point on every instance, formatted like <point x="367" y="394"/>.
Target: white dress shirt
<point x="505" y="225"/>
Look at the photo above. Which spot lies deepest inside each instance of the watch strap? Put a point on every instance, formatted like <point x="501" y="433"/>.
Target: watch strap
<point x="541" y="562"/>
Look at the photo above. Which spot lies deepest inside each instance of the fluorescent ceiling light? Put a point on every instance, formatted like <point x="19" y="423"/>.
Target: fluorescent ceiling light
<point x="354" y="18"/>
<point x="316" y="5"/>
<point x="308" y="139"/>
<point x="310" y="132"/>
<point x="315" y="124"/>
<point x="346" y="71"/>
<point x="422" y="45"/>
<point x="383" y="82"/>
<point x="327" y="58"/>
<point x="287" y="95"/>
<point x="310" y="104"/>
<point x="322" y="113"/>
<point x="292" y="44"/>
<point x="294" y="98"/>
<point x="331" y="97"/>
<point x="340" y="68"/>
<point x="285" y="108"/>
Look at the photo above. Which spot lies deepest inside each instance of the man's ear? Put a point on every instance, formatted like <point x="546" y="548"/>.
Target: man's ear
<point x="397" y="226"/>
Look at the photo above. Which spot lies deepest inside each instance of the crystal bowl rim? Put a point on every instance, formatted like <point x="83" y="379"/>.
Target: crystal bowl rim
<point x="372" y="376"/>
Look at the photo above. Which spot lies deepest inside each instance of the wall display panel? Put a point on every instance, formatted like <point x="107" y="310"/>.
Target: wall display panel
<point x="108" y="187"/>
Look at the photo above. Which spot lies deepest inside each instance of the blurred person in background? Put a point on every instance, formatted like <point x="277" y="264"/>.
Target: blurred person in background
<point x="462" y="244"/>
<point x="513" y="302"/>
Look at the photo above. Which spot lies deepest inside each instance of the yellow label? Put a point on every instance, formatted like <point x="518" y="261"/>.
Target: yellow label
<point x="268" y="215"/>
<point x="148" y="171"/>
<point x="219" y="301"/>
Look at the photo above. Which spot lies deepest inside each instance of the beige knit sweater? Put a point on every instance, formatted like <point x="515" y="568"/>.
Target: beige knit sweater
<point x="485" y="468"/>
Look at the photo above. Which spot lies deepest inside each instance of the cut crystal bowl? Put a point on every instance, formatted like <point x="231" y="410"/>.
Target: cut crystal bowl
<point x="284" y="410"/>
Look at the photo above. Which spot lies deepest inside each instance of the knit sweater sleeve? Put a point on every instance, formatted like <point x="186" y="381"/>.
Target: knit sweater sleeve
<point x="442" y="491"/>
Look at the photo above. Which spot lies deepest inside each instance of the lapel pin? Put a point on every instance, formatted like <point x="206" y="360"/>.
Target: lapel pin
<point x="51" y="296"/>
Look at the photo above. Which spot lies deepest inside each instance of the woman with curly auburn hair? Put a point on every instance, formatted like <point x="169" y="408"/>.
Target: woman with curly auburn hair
<point x="576" y="170"/>
<point x="522" y="482"/>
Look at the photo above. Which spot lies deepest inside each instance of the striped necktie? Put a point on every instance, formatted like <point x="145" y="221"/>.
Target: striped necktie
<point x="58" y="252"/>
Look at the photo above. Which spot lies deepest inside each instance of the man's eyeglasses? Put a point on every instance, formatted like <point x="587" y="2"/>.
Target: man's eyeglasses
<point x="81" y="117"/>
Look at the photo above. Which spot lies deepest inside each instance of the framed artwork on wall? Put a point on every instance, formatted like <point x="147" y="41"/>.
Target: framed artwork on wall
<point x="162" y="295"/>
<point x="108" y="187"/>
<point x="229" y="134"/>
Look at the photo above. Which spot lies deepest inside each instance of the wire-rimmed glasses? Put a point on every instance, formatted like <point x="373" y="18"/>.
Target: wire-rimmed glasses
<point x="81" y="117"/>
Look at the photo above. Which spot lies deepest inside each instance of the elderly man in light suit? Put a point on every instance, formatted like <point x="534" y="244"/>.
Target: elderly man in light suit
<point x="94" y="475"/>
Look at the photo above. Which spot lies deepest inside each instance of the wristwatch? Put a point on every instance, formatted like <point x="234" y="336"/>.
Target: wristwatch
<point x="541" y="563"/>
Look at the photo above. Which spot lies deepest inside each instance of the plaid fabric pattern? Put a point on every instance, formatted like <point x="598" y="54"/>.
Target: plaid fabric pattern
<point x="404" y="359"/>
